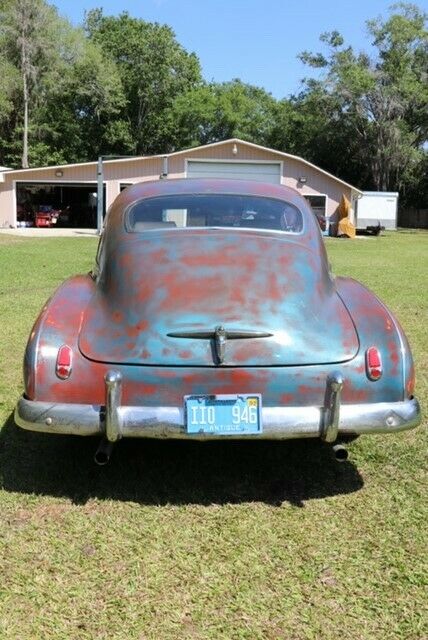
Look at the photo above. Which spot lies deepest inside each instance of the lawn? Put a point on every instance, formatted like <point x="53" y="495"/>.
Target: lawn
<point x="219" y="541"/>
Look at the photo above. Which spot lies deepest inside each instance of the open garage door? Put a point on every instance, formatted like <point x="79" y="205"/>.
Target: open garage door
<point x="259" y="171"/>
<point x="44" y="204"/>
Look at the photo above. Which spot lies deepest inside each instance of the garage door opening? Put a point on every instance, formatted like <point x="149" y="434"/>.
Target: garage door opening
<point x="48" y="205"/>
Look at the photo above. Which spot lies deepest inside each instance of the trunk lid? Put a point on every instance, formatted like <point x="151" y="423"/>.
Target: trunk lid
<point x="188" y="283"/>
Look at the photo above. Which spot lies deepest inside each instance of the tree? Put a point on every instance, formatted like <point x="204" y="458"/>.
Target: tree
<point x="214" y="112"/>
<point x="26" y="28"/>
<point x="60" y="98"/>
<point x="312" y="125"/>
<point x="381" y="101"/>
<point x="154" y="69"/>
<point x="82" y="116"/>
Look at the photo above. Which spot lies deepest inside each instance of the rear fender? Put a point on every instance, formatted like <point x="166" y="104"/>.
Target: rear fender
<point x="58" y="324"/>
<point x="377" y="326"/>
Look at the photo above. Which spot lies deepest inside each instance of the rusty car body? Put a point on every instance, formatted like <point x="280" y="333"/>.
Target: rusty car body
<point x="204" y="297"/>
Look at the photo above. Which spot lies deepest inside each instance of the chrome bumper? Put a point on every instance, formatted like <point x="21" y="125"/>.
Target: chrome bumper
<point x="279" y="423"/>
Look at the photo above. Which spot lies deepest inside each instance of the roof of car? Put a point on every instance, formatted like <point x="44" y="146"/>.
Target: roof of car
<point x="206" y="186"/>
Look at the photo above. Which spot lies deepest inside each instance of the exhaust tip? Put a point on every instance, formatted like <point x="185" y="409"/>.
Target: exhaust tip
<point x="101" y="458"/>
<point x="340" y="452"/>
<point x="103" y="453"/>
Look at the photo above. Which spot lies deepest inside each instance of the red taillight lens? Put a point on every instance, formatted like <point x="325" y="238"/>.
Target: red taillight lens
<point x="373" y="363"/>
<point x="63" y="362"/>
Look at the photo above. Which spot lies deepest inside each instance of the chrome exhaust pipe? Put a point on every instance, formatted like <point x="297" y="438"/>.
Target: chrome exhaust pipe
<point x="103" y="453"/>
<point x="340" y="452"/>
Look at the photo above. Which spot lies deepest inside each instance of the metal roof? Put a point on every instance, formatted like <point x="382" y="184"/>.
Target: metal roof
<point x="191" y="150"/>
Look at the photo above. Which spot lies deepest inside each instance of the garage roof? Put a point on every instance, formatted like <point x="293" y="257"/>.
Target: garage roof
<point x="281" y="154"/>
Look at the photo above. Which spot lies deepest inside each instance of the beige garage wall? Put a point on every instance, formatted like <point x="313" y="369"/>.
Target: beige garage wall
<point x="133" y="170"/>
<point x="317" y="183"/>
<point x="7" y="204"/>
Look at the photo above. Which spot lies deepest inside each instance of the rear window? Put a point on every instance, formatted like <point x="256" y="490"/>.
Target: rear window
<point x="214" y="210"/>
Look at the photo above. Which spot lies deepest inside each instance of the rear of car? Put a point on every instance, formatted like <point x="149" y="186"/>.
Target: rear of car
<point x="213" y="314"/>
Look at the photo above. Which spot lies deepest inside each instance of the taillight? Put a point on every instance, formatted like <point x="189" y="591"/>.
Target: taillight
<point x="63" y="362"/>
<point x="373" y="363"/>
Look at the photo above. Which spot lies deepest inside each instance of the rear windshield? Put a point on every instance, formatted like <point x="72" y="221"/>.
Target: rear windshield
<point x="214" y="210"/>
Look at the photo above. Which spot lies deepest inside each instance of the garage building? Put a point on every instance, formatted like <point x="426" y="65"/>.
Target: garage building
<point x="71" y="189"/>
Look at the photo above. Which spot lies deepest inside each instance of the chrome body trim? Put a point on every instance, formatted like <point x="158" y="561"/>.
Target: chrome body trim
<point x="229" y="335"/>
<point x="279" y="423"/>
<point x="220" y="339"/>
<point x="219" y="336"/>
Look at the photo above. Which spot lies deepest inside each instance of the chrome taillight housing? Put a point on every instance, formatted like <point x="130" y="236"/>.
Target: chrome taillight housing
<point x="63" y="362"/>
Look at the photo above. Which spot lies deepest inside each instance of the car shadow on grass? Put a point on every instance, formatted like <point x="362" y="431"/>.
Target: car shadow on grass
<point x="155" y="472"/>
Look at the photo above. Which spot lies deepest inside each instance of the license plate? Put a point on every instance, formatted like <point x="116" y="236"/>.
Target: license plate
<point x="225" y="415"/>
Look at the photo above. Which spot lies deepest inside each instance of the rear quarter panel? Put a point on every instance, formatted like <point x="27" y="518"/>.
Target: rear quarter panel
<point x="58" y="323"/>
<point x="377" y="326"/>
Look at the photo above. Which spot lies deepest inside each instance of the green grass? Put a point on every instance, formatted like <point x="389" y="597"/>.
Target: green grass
<point x="222" y="541"/>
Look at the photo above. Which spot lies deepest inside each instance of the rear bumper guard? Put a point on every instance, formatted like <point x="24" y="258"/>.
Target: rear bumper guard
<point x="115" y="421"/>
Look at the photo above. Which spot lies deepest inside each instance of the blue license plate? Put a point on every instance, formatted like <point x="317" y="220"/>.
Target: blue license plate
<point x="225" y="415"/>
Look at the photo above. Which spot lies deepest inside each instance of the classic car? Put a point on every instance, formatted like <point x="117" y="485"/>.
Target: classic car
<point x="211" y="312"/>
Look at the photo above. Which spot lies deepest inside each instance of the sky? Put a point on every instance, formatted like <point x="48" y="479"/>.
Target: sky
<point x="255" y="40"/>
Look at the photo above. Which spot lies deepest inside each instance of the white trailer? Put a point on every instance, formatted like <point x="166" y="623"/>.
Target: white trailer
<point x="376" y="210"/>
